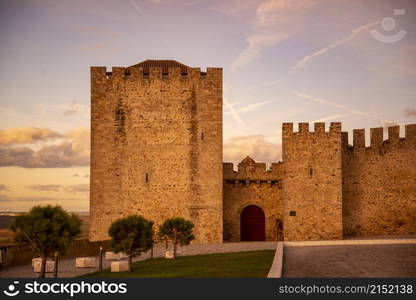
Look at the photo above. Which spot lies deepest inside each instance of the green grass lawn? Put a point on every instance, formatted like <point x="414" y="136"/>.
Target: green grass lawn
<point x="222" y="265"/>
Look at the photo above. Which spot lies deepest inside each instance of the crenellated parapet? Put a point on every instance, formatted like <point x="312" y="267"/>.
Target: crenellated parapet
<point x="377" y="143"/>
<point x="168" y="72"/>
<point x="251" y="172"/>
<point x="304" y="130"/>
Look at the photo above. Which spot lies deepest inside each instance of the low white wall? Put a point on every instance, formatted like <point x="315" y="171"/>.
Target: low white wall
<point x="276" y="269"/>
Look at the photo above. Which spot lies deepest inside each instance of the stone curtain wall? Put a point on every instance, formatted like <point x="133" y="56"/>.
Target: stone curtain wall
<point x="252" y="184"/>
<point x="156" y="151"/>
<point x="156" y="147"/>
<point x="312" y="182"/>
<point x="379" y="190"/>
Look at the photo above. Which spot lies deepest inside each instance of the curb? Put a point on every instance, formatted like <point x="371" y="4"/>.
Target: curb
<point x="276" y="268"/>
<point x="350" y="242"/>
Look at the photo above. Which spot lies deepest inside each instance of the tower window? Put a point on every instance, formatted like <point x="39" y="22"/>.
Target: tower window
<point x="202" y="136"/>
<point x="292" y="213"/>
<point x="310" y="172"/>
<point x="147" y="177"/>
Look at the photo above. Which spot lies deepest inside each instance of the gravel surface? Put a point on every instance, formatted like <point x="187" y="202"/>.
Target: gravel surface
<point x="66" y="267"/>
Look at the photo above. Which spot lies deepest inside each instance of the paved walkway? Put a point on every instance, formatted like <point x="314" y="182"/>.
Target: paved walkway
<point x="67" y="268"/>
<point x="350" y="261"/>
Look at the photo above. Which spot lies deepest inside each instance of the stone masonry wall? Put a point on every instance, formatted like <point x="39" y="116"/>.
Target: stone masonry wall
<point x="156" y="147"/>
<point x="156" y="151"/>
<point x="252" y="184"/>
<point x="312" y="186"/>
<point x="379" y="183"/>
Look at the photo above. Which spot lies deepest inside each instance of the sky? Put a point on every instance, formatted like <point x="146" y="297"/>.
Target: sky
<point x="284" y="61"/>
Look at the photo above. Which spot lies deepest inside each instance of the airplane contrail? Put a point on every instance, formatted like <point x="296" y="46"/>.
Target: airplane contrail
<point x="234" y="112"/>
<point x="137" y="7"/>
<point x="353" y="34"/>
<point x="343" y="107"/>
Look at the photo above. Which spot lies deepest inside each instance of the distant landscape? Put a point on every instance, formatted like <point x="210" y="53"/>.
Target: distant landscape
<point x="6" y="218"/>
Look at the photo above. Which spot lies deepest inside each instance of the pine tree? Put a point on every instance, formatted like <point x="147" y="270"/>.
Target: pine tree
<point x="131" y="235"/>
<point x="178" y="230"/>
<point x="46" y="229"/>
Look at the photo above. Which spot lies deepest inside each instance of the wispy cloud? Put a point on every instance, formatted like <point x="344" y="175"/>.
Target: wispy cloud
<point x="275" y="22"/>
<point x="36" y="200"/>
<point x="256" y="146"/>
<point x="70" y="109"/>
<point x="73" y="188"/>
<point x="45" y="187"/>
<point x="330" y="118"/>
<point x="73" y="150"/>
<point x="233" y="111"/>
<point x="159" y="1"/>
<point x="7" y="198"/>
<point x="94" y="31"/>
<point x="256" y="44"/>
<point x="254" y="106"/>
<point x="25" y="135"/>
<point x="344" y="107"/>
<point x="75" y="108"/>
<point x="409" y="112"/>
<point x="4" y="188"/>
<point x="266" y="83"/>
<point x="78" y="188"/>
<point x="281" y="12"/>
<point x="248" y="108"/>
<point x="338" y="43"/>
<point x="234" y="7"/>
<point x="137" y="7"/>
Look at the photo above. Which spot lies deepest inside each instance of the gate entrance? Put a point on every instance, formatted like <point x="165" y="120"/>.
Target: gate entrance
<point x="252" y="225"/>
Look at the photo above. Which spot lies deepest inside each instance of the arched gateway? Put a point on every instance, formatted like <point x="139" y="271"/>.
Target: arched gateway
<point x="252" y="224"/>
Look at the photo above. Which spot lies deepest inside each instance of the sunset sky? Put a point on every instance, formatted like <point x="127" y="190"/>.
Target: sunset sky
<point x="284" y="61"/>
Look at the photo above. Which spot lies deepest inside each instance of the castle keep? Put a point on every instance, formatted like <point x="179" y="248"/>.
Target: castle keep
<point x="156" y="146"/>
<point x="156" y="151"/>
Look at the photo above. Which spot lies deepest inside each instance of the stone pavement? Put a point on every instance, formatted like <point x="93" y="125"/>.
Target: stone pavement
<point x="66" y="267"/>
<point x="350" y="261"/>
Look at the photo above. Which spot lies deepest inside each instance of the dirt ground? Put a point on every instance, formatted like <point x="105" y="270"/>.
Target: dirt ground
<point x="350" y="261"/>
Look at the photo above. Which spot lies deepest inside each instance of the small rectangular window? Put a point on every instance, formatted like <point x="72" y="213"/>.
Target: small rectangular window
<point x="202" y="136"/>
<point x="147" y="178"/>
<point x="310" y="172"/>
<point x="292" y="213"/>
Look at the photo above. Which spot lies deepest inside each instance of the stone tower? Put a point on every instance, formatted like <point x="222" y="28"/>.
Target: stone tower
<point x="156" y="146"/>
<point x="312" y="182"/>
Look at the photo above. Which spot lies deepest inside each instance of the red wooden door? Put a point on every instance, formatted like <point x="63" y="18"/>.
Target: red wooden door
<point x="252" y="224"/>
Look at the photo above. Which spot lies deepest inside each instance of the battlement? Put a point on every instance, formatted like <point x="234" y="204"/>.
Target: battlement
<point x="249" y="170"/>
<point x="377" y="141"/>
<point x="137" y="72"/>
<point x="319" y="127"/>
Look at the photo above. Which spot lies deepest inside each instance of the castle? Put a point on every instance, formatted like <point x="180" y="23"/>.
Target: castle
<point x="156" y="151"/>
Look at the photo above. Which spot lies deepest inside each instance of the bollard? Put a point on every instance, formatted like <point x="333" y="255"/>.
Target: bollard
<point x="101" y="258"/>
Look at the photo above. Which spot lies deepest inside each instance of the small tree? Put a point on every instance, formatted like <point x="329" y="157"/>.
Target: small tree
<point x="131" y="235"/>
<point x="46" y="229"/>
<point x="178" y="230"/>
